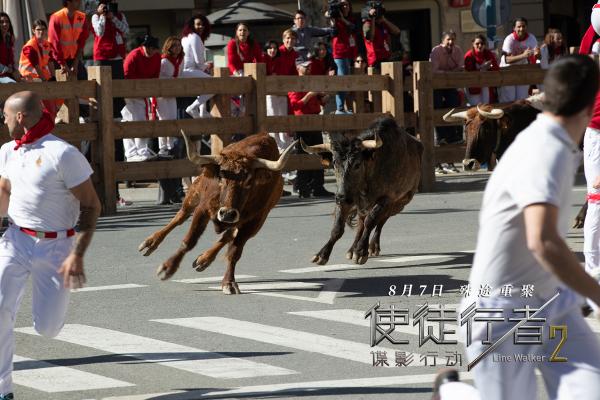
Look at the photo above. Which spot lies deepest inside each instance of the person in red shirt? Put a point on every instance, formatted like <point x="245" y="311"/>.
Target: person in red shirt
<point x="377" y="30"/>
<point x="7" y="43"/>
<point x="242" y="49"/>
<point x="141" y="63"/>
<point x="68" y="31"/>
<point x="479" y="58"/>
<point x="305" y="103"/>
<point x="321" y="60"/>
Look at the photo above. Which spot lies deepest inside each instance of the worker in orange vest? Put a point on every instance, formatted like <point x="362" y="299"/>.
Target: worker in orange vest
<point x="34" y="64"/>
<point x="67" y="34"/>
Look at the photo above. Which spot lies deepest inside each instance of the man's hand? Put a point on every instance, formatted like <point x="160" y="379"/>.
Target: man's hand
<point x="596" y="184"/>
<point x="72" y="271"/>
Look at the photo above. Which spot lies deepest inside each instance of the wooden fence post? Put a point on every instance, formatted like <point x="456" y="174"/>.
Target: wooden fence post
<point x="359" y="97"/>
<point x="70" y="112"/>
<point x="375" y="97"/>
<point x="423" y="100"/>
<point x="106" y="141"/>
<point x="221" y="108"/>
<point x="257" y="99"/>
<point x="392" y="100"/>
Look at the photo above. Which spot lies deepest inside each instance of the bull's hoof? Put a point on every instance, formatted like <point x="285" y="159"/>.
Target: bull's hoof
<point x="374" y="251"/>
<point x="149" y="245"/>
<point x="165" y="271"/>
<point x="361" y="259"/>
<point x="231" y="288"/>
<point x="319" y="260"/>
<point x="201" y="263"/>
<point x="350" y="254"/>
<point x="579" y="222"/>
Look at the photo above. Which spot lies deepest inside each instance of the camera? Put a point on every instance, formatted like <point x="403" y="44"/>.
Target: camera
<point x="334" y="8"/>
<point x="373" y="5"/>
<point x="112" y="7"/>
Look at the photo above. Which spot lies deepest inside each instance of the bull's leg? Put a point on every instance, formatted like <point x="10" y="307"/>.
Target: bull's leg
<point x="359" y="230"/>
<point x="152" y="242"/>
<point x="580" y="218"/>
<point x="206" y="258"/>
<point x="371" y="221"/>
<point x="199" y="222"/>
<point x="374" y="247"/>
<point x="341" y="214"/>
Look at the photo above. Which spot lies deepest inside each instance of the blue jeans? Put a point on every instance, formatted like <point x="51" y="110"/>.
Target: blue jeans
<point x="343" y="68"/>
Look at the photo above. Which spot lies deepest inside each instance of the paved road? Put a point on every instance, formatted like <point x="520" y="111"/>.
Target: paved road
<point x="298" y="331"/>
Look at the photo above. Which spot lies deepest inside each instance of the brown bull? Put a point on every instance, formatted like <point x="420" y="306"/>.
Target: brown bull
<point x="377" y="174"/>
<point x="236" y="190"/>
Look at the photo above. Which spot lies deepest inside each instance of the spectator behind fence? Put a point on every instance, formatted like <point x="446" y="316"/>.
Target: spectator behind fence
<point x="520" y="47"/>
<point x="309" y="182"/>
<point x="344" y="45"/>
<point x="195" y="32"/>
<point x="68" y="31"/>
<point x="377" y="30"/>
<point x="322" y="61"/>
<point x="242" y="49"/>
<point x="141" y="63"/>
<point x="553" y="48"/>
<point x="306" y="34"/>
<point x="447" y="57"/>
<point x="479" y="58"/>
<point x="7" y="43"/>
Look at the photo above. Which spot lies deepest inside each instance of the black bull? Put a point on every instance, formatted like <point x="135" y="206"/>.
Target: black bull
<point x="490" y="131"/>
<point x="377" y="174"/>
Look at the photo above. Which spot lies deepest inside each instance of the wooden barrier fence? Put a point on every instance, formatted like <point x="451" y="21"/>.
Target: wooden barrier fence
<point x="385" y="91"/>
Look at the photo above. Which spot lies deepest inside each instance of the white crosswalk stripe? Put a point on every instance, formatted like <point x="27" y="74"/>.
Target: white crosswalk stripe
<point x="50" y="378"/>
<point x="168" y="354"/>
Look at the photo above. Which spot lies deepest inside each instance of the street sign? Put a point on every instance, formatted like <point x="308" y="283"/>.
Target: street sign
<point x="478" y="9"/>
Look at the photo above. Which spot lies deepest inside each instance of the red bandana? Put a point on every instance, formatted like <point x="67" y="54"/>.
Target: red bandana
<point x="479" y="56"/>
<point x="517" y="37"/>
<point x="176" y="61"/>
<point x="44" y="126"/>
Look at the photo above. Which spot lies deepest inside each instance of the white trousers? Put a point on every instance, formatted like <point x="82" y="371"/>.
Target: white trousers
<point x="591" y="227"/>
<point x="196" y="73"/>
<point x="278" y="105"/>
<point x="480" y="98"/>
<point x="507" y="94"/>
<point x="22" y="256"/>
<point x="578" y="378"/>
<point x="166" y="110"/>
<point x="135" y="110"/>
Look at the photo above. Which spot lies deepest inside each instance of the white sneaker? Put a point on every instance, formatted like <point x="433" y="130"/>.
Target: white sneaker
<point x="193" y="110"/>
<point x="137" y="158"/>
<point x="148" y="154"/>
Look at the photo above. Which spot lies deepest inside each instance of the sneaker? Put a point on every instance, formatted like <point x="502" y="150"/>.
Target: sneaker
<point x="439" y="170"/>
<point x="322" y="192"/>
<point x="286" y="193"/>
<point x="451" y="168"/>
<point x="164" y="155"/>
<point x="148" y="153"/>
<point x="442" y="142"/>
<point x="8" y="396"/>
<point x="137" y="158"/>
<point x="122" y="203"/>
<point x="342" y="112"/>
<point x="193" y="110"/>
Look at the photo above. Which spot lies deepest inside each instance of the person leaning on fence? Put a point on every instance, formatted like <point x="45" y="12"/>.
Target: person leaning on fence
<point x="377" y="30"/>
<point x="309" y="182"/>
<point x="242" y="49"/>
<point x="479" y="58"/>
<point x="519" y="48"/>
<point x="141" y="63"/>
<point x="553" y="48"/>
<point x="447" y="57"/>
<point x="67" y="32"/>
<point x="7" y="44"/>
<point x="305" y="35"/>
<point x="195" y="32"/>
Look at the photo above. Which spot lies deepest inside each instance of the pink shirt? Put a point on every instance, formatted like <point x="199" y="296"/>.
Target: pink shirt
<point x="442" y="60"/>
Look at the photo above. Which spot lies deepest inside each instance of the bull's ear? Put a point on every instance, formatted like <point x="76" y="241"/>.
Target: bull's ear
<point x="262" y="176"/>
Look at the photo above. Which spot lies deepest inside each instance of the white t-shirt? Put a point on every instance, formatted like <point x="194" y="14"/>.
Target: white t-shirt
<point x="40" y="176"/>
<point x="539" y="167"/>
<point x="193" y="49"/>
<point x="513" y="47"/>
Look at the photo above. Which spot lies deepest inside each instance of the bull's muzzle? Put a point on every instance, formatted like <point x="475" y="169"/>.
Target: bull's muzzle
<point x="471" y="164"/>
<point x="228" y="215"/>
<point x="342" y="198"/>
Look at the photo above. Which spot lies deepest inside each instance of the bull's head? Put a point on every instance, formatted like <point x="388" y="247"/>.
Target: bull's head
<point x="481" y="133"/>
<point x="237" y="176"/>
<point x="351" y="159"/>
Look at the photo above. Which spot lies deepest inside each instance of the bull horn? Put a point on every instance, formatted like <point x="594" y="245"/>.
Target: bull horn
<point x="193" y="154"/>
<point x="317" y="148"/>
<point x="275" y="165"/>
<point x="451" y="116"/>
<point x="372" y="143"/>
<point x="496" y="113"/>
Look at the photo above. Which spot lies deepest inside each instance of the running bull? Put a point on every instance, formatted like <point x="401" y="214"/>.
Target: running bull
<point x="235" y="190"/>
<point x="377" y="174"/>
<point x="489" y="131"/>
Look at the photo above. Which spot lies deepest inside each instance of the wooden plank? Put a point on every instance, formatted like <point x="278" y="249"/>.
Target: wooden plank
<point x="358" y="98"/>
<point x="153" y="170"/>
<point x="69" y="111"/>
<point x="505" y="77"/>
<point x="51" y="90"/>
<point x="374" y="96"/>
<point x="303" y="162"/>
<point x="221" y="109"/>
<point x="258" y="104"/>
<point x="67" y="132"/>
<point x="325" y="83"/>
<point x="392" y="99"/>
<point x="106" y="142"/>
<point x="423" y="103"/>
<point x="207" y="126"/>
<point x="181" y="87"/>
<point x="410" y="120"/>
<point x="450" y="153"/>
<point x="328" y="122"/>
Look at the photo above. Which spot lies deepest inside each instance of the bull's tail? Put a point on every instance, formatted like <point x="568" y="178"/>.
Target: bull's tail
<point x="351" y="219"/>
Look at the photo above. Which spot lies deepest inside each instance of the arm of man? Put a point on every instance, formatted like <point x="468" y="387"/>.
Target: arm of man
<point x="4" y="196"/>
<point x="89" y="206"/>
<point x="392" y="28"/>
<point x="551" y="251"/>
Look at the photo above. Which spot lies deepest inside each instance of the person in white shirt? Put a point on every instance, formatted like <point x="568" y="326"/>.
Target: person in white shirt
<point x="45" y="188"/>
<point x="521" y="247"/>
<point x="519" y="47"/>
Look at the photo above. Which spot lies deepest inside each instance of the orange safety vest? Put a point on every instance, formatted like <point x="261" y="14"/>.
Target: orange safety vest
<point x="27" y="70"/>
<point x="69" y="33"/>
